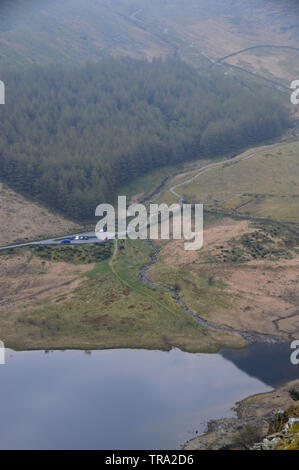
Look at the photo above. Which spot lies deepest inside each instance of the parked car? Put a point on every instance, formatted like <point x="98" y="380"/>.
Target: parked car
<point x="67" y="241"/>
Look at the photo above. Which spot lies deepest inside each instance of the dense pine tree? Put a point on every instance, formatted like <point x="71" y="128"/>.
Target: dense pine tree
<point x="70" y="137"/>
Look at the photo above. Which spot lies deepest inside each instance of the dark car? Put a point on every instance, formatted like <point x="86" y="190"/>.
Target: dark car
<point x="67" y="241"/>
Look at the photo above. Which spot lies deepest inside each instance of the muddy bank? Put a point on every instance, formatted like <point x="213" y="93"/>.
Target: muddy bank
<point x="261" y="414"/>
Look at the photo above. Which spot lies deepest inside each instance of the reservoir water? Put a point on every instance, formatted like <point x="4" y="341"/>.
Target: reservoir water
<point x="128" y="399"/>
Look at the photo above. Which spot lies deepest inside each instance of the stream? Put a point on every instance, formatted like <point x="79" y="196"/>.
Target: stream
<point x="249" y="336"/>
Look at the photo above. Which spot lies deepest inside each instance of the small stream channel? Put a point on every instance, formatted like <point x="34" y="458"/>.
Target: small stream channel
<point x="249" y="336"/>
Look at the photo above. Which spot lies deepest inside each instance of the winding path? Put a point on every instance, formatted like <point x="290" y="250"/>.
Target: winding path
<point x="221" y="61"/>
<point x="233" y="160"/>
<point x="249" y="337"/>
<point x="251" y="48"/>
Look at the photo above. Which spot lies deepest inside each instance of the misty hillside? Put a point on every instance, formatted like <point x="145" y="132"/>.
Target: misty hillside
<point x="77" y="30"/>
<point x="72" y="134"/>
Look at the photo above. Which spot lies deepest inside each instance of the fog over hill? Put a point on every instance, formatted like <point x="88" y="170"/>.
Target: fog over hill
<point x="77" y="30"/>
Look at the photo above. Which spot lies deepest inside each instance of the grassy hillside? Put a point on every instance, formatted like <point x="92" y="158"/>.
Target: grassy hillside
<point x="245" y="276"/>
<point x="72" y="30"/>
<point x="273" y="63"/>
<point x="23" y="219"/>
<point x="265" y="185"/>
<point x="47" y="302"/>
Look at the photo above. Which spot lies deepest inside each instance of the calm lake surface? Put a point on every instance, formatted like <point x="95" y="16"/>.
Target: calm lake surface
<point x="127" y="399"/>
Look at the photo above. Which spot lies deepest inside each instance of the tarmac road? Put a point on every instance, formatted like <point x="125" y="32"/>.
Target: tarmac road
<point x="57" y="241"/>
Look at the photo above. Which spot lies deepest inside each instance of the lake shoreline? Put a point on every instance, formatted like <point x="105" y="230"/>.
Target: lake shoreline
<point x="175" y="394"/>
<point x="263" y="413"/>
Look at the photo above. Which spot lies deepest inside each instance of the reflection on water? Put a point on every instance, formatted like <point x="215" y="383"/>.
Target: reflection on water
<point x="269" y="363"/>
<point x="122" y="399"/>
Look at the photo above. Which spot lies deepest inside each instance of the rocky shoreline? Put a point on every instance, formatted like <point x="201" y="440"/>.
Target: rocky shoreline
<point x="264" y="422"/>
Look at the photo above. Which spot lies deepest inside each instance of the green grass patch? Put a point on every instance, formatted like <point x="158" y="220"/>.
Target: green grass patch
<point x="264" y="186"/>
<point x="270" y="241"/>
<point x="111" y="310"/>
<point x="201" y="291"/>
<point x="78" y="254"/>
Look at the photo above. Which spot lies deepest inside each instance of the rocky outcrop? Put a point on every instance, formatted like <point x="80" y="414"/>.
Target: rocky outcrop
<point x="286" y="437"/>
<point x="263" y="422"/>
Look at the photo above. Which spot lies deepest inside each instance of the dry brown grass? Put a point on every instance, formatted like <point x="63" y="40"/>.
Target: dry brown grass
<point x="268" y="298"/>
<point x="60" y="305"/>
<point x="22" y="219"/>
<point x="25" y="280"/>
<point x="279" y="64"/>
<point x="259" y="295"/>
<point x="219" y="36"/>
<point x="219" y="231"/>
